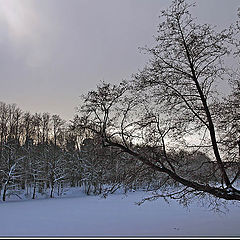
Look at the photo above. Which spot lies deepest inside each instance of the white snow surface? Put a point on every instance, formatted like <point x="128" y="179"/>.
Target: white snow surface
<point x="78" y="215"/>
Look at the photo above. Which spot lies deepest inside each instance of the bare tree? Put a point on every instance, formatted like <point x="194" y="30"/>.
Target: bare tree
<point x="229" y="128"/>
<point x="172" y="100"/>
<point x="10" y="169"/>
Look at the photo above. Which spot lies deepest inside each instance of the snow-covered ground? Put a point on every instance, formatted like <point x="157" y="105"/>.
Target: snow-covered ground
<point x="117" y="215"/>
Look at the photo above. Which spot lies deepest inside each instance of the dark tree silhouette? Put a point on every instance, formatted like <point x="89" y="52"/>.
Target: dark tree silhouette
<point x="173" y="99"/>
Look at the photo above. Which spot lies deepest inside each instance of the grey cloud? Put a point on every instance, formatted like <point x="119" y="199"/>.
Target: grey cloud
<point x="72" y="44"/>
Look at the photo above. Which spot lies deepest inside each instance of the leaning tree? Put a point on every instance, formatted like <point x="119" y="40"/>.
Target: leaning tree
<point x="168" y="115"/>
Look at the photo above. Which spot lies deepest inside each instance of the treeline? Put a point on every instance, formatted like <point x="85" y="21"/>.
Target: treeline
<point x="42" y="154"/>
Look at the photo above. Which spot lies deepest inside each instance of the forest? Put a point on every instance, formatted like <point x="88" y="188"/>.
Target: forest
<point x="41" y="153"/>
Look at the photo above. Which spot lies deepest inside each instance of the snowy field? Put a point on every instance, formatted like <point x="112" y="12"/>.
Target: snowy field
<point x="117" y="215"/>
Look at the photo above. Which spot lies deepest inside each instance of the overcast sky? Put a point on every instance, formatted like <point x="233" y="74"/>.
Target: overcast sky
<point x="52" y="51"/>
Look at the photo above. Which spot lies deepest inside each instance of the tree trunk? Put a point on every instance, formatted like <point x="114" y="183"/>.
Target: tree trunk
<point x="52" y="188"/>
<point x="34" y="191"/>
<point x="4" y="192"/>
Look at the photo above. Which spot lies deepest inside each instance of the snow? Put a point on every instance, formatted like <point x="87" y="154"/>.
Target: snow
<point x="117" y="215"/>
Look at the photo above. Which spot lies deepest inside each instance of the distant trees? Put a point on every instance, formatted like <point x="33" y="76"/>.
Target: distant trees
<point x="106" y="170"/>
<point x="42" y="154"/>
<point x="31" y="150"/>
<point x="172" y="108"/>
